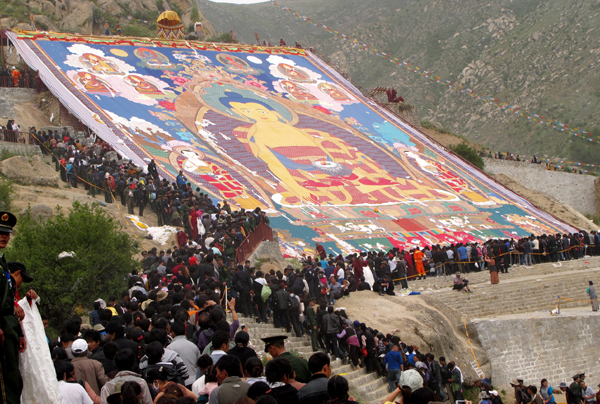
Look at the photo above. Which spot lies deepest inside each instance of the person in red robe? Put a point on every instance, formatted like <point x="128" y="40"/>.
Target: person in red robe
<point x="357" y="267"/>
<point x="410" y="267"/>
<point x="193" y="218"/>
<point x="321" y="251"/>
<point x="182" y="238"/>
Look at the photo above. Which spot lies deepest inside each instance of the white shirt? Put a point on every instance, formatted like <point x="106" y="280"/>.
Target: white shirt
<point x="340" y="274"/>
<point x="73" y="393"/>
<point x="450" y="254"/>
<point x="216" y="355"/>
<point x="198" y="385"/>
<point x="262" y="281"/>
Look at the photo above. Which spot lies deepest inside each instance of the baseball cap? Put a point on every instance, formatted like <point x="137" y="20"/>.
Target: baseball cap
<point x="79" y="346"/>
<point x="412" y="379"/>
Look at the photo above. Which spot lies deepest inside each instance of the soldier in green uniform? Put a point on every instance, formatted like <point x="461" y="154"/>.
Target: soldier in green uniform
<point x="311" y="323"/>
<point x="576" y="389"/>
<point x="274" y="346"/>
<point x="12" y="341"/>
<point x="224" y="275"/>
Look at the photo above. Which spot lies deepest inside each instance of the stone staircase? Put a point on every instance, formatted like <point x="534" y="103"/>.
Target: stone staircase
<point x="533" y="293"/>
<point x="366" y="388"/>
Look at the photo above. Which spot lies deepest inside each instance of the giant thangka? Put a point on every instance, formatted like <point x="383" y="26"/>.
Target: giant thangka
<point x="279" y="129"/>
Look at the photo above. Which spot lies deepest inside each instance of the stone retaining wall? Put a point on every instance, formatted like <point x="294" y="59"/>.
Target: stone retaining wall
<point x="20" y="148"/>
<point x="576" y="190"/>
<point x="9" y="98"/>
<point x="554" y="348"/>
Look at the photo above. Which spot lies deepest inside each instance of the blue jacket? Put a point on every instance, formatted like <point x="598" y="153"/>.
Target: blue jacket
<point x="393" y="360"/>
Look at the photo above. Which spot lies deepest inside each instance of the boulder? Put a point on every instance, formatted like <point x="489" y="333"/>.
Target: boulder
<point x="40" y="211"/>
<point x="112" y="155"/>
<point x="25" y="170"/>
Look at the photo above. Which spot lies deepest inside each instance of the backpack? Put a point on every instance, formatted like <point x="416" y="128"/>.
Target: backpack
<point x="294" y="303"/>
<point x="265" y="293"/>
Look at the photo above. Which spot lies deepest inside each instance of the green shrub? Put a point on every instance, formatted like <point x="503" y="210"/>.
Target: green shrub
<point x="6" y="194"/>
<point x="469" y="154"/>
<point x="103" y="257"/>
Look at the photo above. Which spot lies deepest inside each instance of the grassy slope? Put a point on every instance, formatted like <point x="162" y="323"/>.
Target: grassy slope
<point x="544" y="58"/>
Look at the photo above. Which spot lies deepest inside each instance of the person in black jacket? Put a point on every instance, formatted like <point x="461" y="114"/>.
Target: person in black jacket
<point x="281" y="304"/>
<point x="330" y="324"/>
<point x="370" y="360"/>
<point x="244" y="285"/>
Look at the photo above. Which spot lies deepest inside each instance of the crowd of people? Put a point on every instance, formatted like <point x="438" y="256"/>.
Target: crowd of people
<point x="578" y="392"/>
<point x="550" y="166"/>
<point x="169" y="334"/>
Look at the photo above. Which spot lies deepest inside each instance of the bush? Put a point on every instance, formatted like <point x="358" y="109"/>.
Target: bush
<point x="194" y="15"/>
<point x="6" y="195"/>
<point x="469" y="154"/>
<point x="138" y="31"/>
<point x="223" y="37"/>
<point x="103" y="257"/>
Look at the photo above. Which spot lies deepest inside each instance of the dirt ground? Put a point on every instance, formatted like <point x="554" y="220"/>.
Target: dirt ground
<point x="64" y="196"/>
<point x="29" y="115"/>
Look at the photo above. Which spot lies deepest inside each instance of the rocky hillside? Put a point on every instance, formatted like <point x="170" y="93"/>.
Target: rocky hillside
<point x="539" y="55"/>
<point x="135" y="17"/>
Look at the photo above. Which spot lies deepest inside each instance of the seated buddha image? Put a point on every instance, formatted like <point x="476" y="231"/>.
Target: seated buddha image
<point x="234" y="64"/>
<point x="297" y="91"/>
<point x="93" y="85"/>
<point x="98" y="64"/>
<point x="153" y="59"/>
<point x="334" y="92"/>
<point x="315" y="167"/>
<point x="294" y="73"/>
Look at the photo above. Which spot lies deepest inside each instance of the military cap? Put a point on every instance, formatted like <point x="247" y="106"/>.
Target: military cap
<point x="273" y="340"/>
<point x="7" y="222"/>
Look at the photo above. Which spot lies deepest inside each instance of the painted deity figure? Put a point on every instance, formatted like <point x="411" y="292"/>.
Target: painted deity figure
<point x="333" y="92"/>
<point x="93" y="85"/>
<point x="98" y="64"/>
<point x="234" y="64"/>
<point x="152" y="58"/>
<point x="297" y="91"/>
<point x="143" y="86"/>
<point x="294" y="73"/>
<point x="314" y="166"/>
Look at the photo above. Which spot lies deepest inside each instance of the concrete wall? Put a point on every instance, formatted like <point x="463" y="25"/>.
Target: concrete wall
<point x="11" y="96"/>
<point x="576" y="190"/>
<point x="514" y="297"/>
<point x="554" y="348"/>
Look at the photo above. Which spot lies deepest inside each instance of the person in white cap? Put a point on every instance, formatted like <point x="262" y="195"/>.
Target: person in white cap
<point x="495" y="397"/>
<point x="89" y="370"/>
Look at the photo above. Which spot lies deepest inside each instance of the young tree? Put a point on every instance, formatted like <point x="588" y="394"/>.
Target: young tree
<point x="102" y="257"/>
<point x="469" y="154"/>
